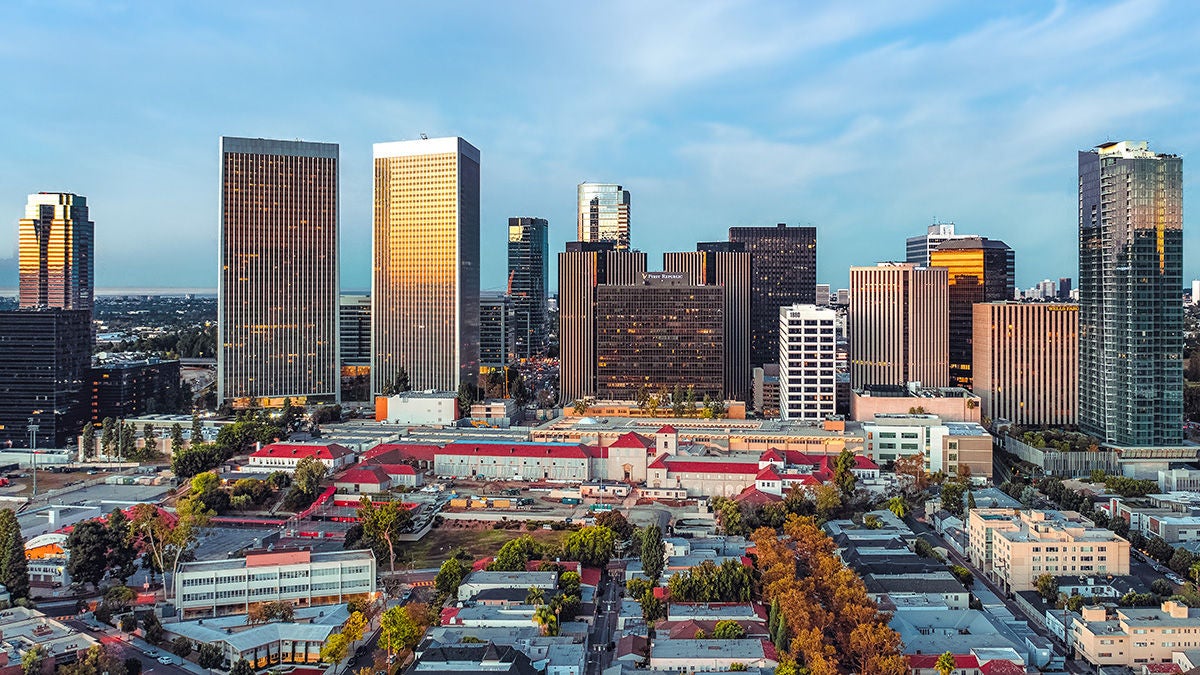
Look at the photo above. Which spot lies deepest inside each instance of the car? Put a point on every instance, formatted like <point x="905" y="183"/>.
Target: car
<point x="152" y="653"/>
<point x="165" y="660"/>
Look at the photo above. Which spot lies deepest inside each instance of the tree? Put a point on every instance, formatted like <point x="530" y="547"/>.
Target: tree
<point x="535" y="596"/>
<point x="197" y="435"/>
<point x="677" y="405"/>
<point x="14" y="567"/>
<point x="176" y="439"/>
<point x="468" y="394"/>
<point x="1159" y="549"/>
<point x="828" y="500"/>
<point x="121" y="554"/>
<point x="128" y="623"/>
<point x="95" y="661"/>
<point x="569" y="583"/>
<point x="593" y="546"/>
<point x="397" y="384"/>
<point x="209" y="655"/>
<point x="970" y="500"/>
<point x="545" y="617"/>
<point x="913" y="468"/>
<point x="128" y="449"/>
<point x="843" y="473"/>
<point x="449" y="577"/>
<point x="653" y="608"/>
<point x="615" y="521"/>
<point x="382" y="527"/>
<point x="107" y="436"/>
<point x="196" y="459"/>
<point x="167" y="545"/>
<point x="1181" y="561"/>
<point x="182" y="647"/>
<point x="653" y="552"/>
<point x="88" y="440"/>
<point x="1162" y="587"/>
<point x="32" y="660"/>
<point x="334" y="650"/>
<point x="689" y="401"/>
<point x="354" y="627"/>
<point x="150" y="442"/>
<point x="306" y="482"/>
<point x="88" y="546"/>
<point x="728" y="630"/>
<point x="152" y="629"/>
<point x="963" y="575"/>
<point x="897" y="506"/>
<point x="945" y="664"/>
<point x="1047" y="587"/>
<point x="513" y="555"/>
<point x="952" y="496"/>
<point x="242" y="667"/>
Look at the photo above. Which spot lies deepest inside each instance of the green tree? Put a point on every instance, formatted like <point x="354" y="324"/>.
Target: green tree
<point x="197" y="435"/>
<point x="945" y="664"/>
<point x="14" y="567"/>
<point x="535" y="596"/>
<point x="513" y="555"/>
<point x="196" y="459"/>
<point x="97" y="660"/>
<point x="167" y="545"/>
<point x="306" y="483"/>
<point x="242" y="667"/>
<point x="176" y="439"/>
<point x="689" y="401"/>
<point x="209" y="655"/>
<point x="398" y="630"/>
<point x="122" y="556"/>
<point x="843" y="473"/>
<point x="88" y="440"/>
<point x="354" y="627"/>
<point x="593" y="546"/>
<point x="383" y="525"/>
<point x="897" y="506"/>
<point x="653" y="552"/>
<point x="88" y="546"/>
<point x="963" y="575"/>
<point x="545" y="617"/>
<point x="108" y="437"/>
<point x="952" y="496"/>
<point x="1159" y="549"/>
<point x="397" y="384"/>
<point x="728" y="630"/>
<point x="677" y="403"/>
<point x="32" y="660"/>
<point x="449" y="577"/>
<point x="128" y="449"/>
<point x="152" y="629"/>
<point x="334" y="650"/>
<point x="653" y="608"/>
<point x="970" y="501"/>
<point x="127" y="624"/>
<point x="1047" y="587"/>
<point x="182" y="647"/>
<point x="150" y="442"/>
<point x="615" y="521"/>
<point x="1181" y="561"/>
<point x="468" y="394"/>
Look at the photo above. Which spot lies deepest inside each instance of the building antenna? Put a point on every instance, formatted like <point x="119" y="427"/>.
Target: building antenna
<point x="424" y="137"/>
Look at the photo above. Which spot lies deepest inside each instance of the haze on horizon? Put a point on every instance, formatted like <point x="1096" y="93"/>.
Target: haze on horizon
<point x="868" y="120"/>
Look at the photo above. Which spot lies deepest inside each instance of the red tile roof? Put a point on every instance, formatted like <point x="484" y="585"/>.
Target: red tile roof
<point x="1002" y="667"/>
<point x="689" y="466"/>
<point x="668" y="429"/>
<point x="387" y="452"/>
<point x="769" y="651"/>
<point x="448" y="616"/>
<point x="801" y="479"/>
<point x="367" y="475"/>
<point x="561" y="451"/>
<point x="927" y="661"/>
<point x="632" y="439"/>
<point x="590" y="576"/>
<point x="768" y="473"/>
<point x="755" y="497"/>
<point x="318" y="450"/>
<point x="398" y="469"/>
<point x="771" y="455"/>
<point x="659" y="463"/>
<point x="864" y="462"/>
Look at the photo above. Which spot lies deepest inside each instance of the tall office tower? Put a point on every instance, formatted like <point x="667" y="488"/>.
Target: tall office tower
<point x="604" y="213"/>
<point x="44" y="358"/>
<point x="425" y="289"/>
<point x="917" y="249"/>
<point x="57" y="244"/>
<point x="1064" y="288"/>
<point x="899" y="325"/>
<point x="783" y="265"/>
<point x="277" y="291"/>
<point x="497" y="339"/>
<point x="807" y="363"/>
<point x="1130" y="275"/>
<point x="727" y="265"/>
<point x="528" y="261"/>
<point x="1027" y="362"/>
<point x="582" y="268"/>
<point x="354" y="330"/>
<point x="662" y="333"/>
<point x="979" y="270"/>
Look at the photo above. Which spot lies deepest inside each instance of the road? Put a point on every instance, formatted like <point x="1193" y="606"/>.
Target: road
<point x="113" y="639"/>
<point x="607" y="606"/>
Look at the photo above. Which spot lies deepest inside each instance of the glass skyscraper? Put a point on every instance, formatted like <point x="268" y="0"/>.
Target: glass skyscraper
<point x="783" y="268"/>
<point x="604" y="214"/>
<point x="57" y="243"/>
<point x="527" y="270"/>
<point x="979" y="270"/>
<point x="1130" y="289"/>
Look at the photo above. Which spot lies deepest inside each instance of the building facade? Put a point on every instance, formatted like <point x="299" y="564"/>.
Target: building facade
<point x="978" y="270"/>
<point x="1130" y="284"/>
<point x="56" y="260"/>
<point x="783" y="268"/>
<point x="664" y="333"/>
<point x="955" y="448"/>
<point x="899" y="325"/>
<point x="354" y="329"/>
<point x="497" y="334"/>
<point x="603" y="214"/>
<point x="1026" y="362"/>
<point x="917" y="249"/>
<point x="44" y="359"/>
<point x="277" y="291"/>
<point x="425" y="287"/>
<point x="807" y="362"/>
<point x="528" y="265"/>
<point x="127" y="389"/>
<point x="725" y="265"/>
<point x="950" y="404"/>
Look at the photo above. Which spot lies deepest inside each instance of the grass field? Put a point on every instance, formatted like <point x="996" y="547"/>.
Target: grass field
<point x="435" y="547"/>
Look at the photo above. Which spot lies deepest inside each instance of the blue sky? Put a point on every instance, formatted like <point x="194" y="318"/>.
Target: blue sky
<point x="866" y="119"/>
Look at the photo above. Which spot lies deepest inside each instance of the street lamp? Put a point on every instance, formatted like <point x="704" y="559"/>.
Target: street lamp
<point x="33" y="430"/>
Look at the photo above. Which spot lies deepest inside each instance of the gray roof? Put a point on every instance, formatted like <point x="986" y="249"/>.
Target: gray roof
<point x="933" y="582"/>
<point x="520" y="579"/>
<point x="676" y="649"/>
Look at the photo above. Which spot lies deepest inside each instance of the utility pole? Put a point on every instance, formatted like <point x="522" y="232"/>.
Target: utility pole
<point x="33" y="429"/>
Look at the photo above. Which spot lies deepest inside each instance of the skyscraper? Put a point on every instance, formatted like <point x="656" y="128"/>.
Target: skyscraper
<point x="44" y="358"/>
<point x="917" y="249"/>
<point x="604" y="213"/>
<point x="1130" y="276"/>
<point x="898" y="325"/>
<point x="277" y="291"/>
<point x="783" y="267"/>
<point x="57" y="244"/>
<point x="354" y="332"/>
<point x="726" y="265"/>
<point x="425" y="288"/>
<point x="528" y="259"/>
<point x="807" y="362"/>
<point x="581" y="269"/>
<point x="1027" y="362"/>
<point x="979" y="270"/>
<point x="496" y="335"/>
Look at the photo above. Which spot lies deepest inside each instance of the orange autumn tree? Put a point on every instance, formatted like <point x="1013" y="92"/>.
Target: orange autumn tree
<point x="829" y="624"/>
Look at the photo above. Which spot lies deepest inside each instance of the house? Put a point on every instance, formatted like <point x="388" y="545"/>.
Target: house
<point x="925" y="664"/>
<point x="485" y="658"/>
<point x="285" y="456"/>
<point x="364" y="480"/>
<point x="691" y="655"/>
<point x="481" y="580"/>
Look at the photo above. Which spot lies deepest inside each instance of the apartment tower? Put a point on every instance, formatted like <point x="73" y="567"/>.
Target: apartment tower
<point x="425" y="286"/>
<point x="807" y="363"/>
<point x="979" y="270"/>
<point x="726" y="265"/>
<point x="783" y="266"/>
<point x="57" y="244"/>
<point x="277" y="290"/>
<point x="898" y="325"/>
<point x="528" y="260"/>
<point x="1026" y="358"/>
<point x="604" y="213"/>
<point x="1130" y="283"/>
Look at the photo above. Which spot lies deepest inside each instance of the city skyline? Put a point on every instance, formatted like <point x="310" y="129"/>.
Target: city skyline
<point x="882" y="124"/>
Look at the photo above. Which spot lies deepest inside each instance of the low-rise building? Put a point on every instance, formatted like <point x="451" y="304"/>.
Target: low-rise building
<point x="219" y="587"/>
<point x="950" y="404"/>
<point x="428" y="408"/>
<point x="266" y="644"/>
<point x="24" y="628"/>
<point x="715" y="611"/>
<point x="936" y="589"/>
<point x="482" y="580"/>
<point x="709" y="654"/>
<point x="285" y="456"/>
<point x="951" y="447"/>
<point x="473" y="658"/>
<point x="364" y="480"/>
<point x="1134" y="636"/>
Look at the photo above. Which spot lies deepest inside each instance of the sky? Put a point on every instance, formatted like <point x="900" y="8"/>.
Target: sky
<point x="869" y="120"/>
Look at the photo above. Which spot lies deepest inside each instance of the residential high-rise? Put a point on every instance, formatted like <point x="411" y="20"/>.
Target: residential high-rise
<point x="497" y="338"/>
<point x="1130" y="276"/>
<point x="662" y="333"/>
<point x="917" y="249"/>
<point x="899" y="325"/>
<point x="528" y="263"/>
<point x="277" y="288"/>
<point x="979" y="270"/>
<point x="56" y="258"/>
<point x="783" y="265"/>
<point x="582" y="268"/>
<point x="44" y="358"/>
<point x="425" y="288"/>
<point x="726" y="265"/>
<point x="807" y="363"/>
<point x="1026" y="359"/>
<point x="603" y="213"/>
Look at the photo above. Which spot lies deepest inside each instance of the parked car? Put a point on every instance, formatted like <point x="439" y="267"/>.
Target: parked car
<point x="165" y="660"/>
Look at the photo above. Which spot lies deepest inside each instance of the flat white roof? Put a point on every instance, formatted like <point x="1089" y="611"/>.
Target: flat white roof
<point x="426" y="146"/>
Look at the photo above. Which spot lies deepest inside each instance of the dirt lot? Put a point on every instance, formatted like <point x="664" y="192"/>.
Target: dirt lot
<point x="47" y="481"/>
<point x="435" y="547"/>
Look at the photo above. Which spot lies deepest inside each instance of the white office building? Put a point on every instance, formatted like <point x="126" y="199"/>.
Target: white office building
<point x="807" y="362"/>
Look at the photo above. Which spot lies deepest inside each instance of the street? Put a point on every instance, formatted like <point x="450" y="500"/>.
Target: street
<point x="113" y="639"/>
<point x="607" y="605"/>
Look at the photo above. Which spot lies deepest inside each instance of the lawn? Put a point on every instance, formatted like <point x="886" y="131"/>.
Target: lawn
<point x="435" y="547"/>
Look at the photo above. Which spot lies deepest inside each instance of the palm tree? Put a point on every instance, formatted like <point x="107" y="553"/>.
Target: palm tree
<point x="545" y="617"/>
<point x="945" y="664"/>
<point x="898" y="506"/>
<point x="535" y="596"/>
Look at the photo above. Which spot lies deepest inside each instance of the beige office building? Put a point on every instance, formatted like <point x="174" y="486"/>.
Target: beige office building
<point x="1136" y="636"/>
<point x="1026" y="358"/>
<point x="425" y="283"/>
<point x="1014" y="547"/>
<point x="277" y="291"/>
<point x="899" y="325"/>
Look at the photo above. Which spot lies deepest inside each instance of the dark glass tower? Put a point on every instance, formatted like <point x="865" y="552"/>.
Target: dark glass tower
<point x="44" y="359"/>
<point x="527" y="271"/>
<point x="783" y="262"/>
<point x="978" y="270"/>
<point x="1130" y="308"/>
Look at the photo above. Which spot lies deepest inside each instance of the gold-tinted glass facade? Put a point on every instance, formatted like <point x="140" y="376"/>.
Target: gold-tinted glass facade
<point x="278" y="284"/>
<point x="56" y="242"/>
<point x="425" y="288"/>
<point x="978" y="270"/>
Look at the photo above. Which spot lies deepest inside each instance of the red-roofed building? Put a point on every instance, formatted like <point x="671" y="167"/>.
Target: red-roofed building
<point x="402" y="474"/>
<point x="285" y="456"/>
<point x="1147" y="668"/>
<point x="923" y="664"/>
<point x="420" y="454"/>
<point x="1004" y="667"/>
<point x="755" y="497"/>
<point x="364" y="480"/>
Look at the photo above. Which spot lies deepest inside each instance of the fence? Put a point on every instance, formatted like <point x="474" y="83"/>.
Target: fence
<point x="1065" y="464"/>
